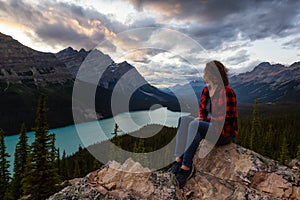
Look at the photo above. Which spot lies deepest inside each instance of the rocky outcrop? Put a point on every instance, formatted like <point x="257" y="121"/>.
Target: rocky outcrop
<point x="233" y="172"/>
<point x="227" y="172"/>
<point x="115" y="181"/>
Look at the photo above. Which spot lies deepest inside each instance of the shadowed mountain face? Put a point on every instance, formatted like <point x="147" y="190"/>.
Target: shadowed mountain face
<point x="25" y="73"/>
<point x="21" y="64"/>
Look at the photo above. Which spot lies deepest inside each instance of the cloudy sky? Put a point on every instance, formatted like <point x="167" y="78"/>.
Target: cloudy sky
<point x="183" y="35"/>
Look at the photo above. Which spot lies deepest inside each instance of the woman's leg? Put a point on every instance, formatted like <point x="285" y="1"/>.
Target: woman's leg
<point x="196" y="132"/>
<point x="181" y="136"/>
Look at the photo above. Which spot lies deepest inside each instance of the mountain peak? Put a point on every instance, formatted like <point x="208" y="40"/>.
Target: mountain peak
<point x="82" y="50"/>
<point x="68" y="50"/>
<point x="268" y="66"/>
<point x="295" y="64"/>
<point x="262" y="65"/>
<point x="72" y="58"/>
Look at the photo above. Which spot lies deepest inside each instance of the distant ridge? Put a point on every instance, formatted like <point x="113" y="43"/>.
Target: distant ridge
<point x="272" y="83"/>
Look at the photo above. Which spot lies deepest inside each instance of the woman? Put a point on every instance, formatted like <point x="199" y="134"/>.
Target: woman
<point x="217" y="113"/>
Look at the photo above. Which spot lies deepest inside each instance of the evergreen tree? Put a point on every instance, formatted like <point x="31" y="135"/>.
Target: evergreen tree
<point x="4" y="167"/>
<point x="284" y="154"/>
<point x="255" y="126"/>
<point x="139" y="149"/>
<point x="116" y="130"/>
<point x="53" y="150"/>
<point x="41" y="177"/>
<point x="21" y="154"/>
<point x="82" y="161"/>
<point x="58" y="162"/>
<point x="76" y="169"/>
<point x="268" y="141"/>
<point x="64" y="166"/>
<point x="116" y="153"/>
<point x="28" y="177"/>
<point x="96" y="164"/>
<point x="298" y="153"/>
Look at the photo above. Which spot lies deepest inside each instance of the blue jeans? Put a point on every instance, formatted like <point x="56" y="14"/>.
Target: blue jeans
<point x="189" y="134"/>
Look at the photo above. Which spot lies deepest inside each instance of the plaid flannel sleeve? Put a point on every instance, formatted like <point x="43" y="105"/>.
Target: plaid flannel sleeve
<point x="203" y="113"/>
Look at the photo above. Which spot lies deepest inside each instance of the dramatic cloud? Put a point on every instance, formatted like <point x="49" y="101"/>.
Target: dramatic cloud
<point x="62" y="24"/>
<point x="239" y="58"/>
<point x="207" y="30"/>
<point x="212" y="22"/>
<point x="294" y="43"/>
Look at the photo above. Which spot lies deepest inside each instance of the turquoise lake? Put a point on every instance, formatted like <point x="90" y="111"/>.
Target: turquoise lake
<point x="70" y="137"/>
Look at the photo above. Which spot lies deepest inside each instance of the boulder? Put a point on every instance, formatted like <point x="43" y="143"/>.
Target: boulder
<point x="227" y="172"/>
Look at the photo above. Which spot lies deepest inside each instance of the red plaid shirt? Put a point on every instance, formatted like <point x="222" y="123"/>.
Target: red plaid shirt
<point x="230" y="126"/>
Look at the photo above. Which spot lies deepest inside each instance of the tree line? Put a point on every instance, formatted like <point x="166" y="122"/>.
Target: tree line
<point x="39" y="171"/>
<point x="273" y="135"/>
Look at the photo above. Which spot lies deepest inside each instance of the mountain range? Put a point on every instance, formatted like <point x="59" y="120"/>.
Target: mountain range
<point x="25" y="73"/>
<point x="271" y="83"/>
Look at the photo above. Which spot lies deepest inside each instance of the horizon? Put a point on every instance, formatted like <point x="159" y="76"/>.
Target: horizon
<point x="241" y="35"/>
<point x="161" y="86"/>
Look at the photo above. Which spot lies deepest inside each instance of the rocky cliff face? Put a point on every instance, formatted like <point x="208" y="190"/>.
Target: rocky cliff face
<point x="227" y="172"/>
<point x="21" y="64"/>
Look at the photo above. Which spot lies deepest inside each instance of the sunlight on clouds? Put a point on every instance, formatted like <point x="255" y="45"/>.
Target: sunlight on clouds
<point x="158" y="53"/>
<point x="24" y="36"/>
<point x="172" y="68"/>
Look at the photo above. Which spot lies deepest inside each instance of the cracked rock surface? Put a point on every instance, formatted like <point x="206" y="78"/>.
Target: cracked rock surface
<point x="227" y="172"/>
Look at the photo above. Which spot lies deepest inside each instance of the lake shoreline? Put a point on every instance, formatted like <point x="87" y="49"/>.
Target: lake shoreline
<point x="70" y="124"/>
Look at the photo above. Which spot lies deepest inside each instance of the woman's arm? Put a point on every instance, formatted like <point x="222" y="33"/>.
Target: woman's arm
<point x="202" y="114"/>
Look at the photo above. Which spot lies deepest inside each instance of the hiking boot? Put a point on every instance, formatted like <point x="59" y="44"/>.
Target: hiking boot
<point x="183" y="175"/>
<point x="175" y="167"/>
